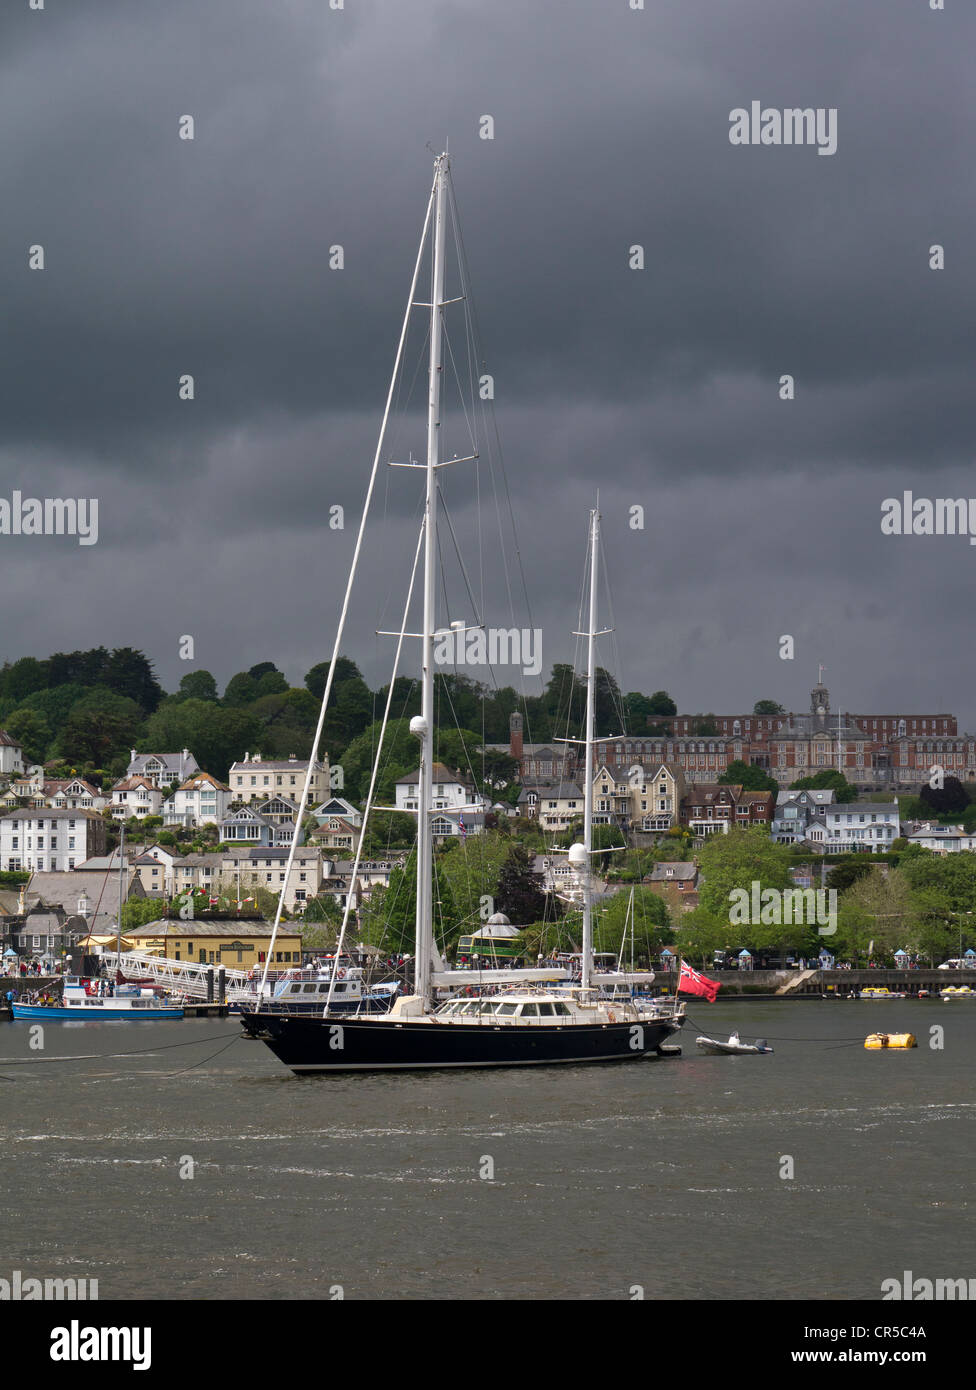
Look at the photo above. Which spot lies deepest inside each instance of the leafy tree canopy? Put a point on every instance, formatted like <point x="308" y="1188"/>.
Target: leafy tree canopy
<point x="661" y="703"/>
<point x="749" y="777"/>
<point x="825" y="780"/>
<point x="768" y="707"/>
<point x="345" y="670"/>
<point x="198" y="685"/>
<point x="950" y="797"/>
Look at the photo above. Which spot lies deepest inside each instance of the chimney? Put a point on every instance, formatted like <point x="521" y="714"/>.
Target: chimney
<point x="132" y="755"/>
<point x="515" y="737"/>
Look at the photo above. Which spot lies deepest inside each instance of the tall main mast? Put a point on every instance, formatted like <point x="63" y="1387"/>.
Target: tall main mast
<point x="588" y="756"/>
<point x="425" y="848"/>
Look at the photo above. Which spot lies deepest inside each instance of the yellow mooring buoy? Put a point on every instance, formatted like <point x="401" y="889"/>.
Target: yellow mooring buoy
<point x="888" y="1040"/>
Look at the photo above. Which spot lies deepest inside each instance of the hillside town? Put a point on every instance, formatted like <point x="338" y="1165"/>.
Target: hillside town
<point x="818" y="786"/>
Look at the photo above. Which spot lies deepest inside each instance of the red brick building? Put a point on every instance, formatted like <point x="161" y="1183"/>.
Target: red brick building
<point x="883" y="750"/>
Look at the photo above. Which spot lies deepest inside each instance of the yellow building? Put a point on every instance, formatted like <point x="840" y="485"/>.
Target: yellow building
<point x="238" y="942"/>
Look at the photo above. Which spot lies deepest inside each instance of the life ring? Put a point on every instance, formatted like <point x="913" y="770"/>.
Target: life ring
<point x="341" y="974"/>
<point x="612" y="1016"/>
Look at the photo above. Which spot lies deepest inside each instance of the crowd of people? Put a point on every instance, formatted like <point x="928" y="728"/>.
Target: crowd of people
<point x="24" y="968"/>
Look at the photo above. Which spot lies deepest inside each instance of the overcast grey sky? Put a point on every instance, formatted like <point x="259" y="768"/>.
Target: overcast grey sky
<point x="660" y="387"/>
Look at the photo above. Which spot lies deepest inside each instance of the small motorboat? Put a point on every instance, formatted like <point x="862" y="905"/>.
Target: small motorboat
<point x="733" y="1048"/>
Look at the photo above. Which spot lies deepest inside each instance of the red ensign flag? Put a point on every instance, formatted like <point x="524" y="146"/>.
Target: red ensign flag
<point x="690" y="982"/>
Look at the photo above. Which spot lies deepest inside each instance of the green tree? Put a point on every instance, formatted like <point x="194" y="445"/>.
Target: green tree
<point x="842" y="876"/>
<point x="949" y="799"/>
<point x="700" y="933"/>
<point x="637" y="710"/>
<point x="102" y="725"/>
<point x="387" y="831"/>
<point x="56" y="703"/>
<point x="471" y="870"/>
<point x="749" y="777"/>
<point x="345" y="670"/>
<point x="79" y="668"/>
<point x="767" y="707"/>
<point x="241" y="689"/>
<point x="564" y="699"/>
<point x="198" y="685"/>
<point x="137" y="912"/>
<point x="22" y="678"/>
<point x="406" y="697"/>
<point x="388" y="918"/>
<point x="608" y="709"/>
<point x="32" y="731"/>
<point x="737" y="860"/>
<point x="499" y="769"/>
<point x="350" y="712"/>
<point x="661" y="703"/>
<point x="878" y="906"/>
<point x="829" y="778"/>
<point x="216" y="736"/>
<point x="650" y="929"/>
<point x="130" y="673"/>
<point x="271" y="683"/>
<point x="519" y="893"/>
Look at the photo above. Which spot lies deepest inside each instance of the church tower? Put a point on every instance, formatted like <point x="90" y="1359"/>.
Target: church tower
<point x="515" y="737"/>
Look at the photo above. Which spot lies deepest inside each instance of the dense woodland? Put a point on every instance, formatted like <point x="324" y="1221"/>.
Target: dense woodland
<point x="87" y="709"/>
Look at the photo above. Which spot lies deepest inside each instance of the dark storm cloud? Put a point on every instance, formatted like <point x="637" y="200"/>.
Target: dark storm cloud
<point x="211" y="257"/>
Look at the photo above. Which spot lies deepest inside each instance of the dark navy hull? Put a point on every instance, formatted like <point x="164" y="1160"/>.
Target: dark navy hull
<point x="385" y="1044"/>
<point x="370" y="1004"/>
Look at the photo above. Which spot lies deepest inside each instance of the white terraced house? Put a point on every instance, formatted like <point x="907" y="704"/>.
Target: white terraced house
<point x="337" y="834"/>
<point x="45" y="840"/>
<point x="136" y="796"/>
<point x="167" y="875"/>
<point x="562" y="804"/>
<point x="463" y="808"/>
<point x="200" y="800"/>
<point x="257" y="779"/>
<point x="77" y="795"/>
<point x="942" y="839"/>
<point x="162" y="769"/>
<point x="858" y="825"/>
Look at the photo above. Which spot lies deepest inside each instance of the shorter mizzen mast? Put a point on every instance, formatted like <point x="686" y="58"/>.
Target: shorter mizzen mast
<point x="580" y="856"/>
<point x="118" y="935"/>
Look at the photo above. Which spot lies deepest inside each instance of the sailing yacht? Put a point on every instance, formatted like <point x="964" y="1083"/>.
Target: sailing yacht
<point x="505" y="1017"/>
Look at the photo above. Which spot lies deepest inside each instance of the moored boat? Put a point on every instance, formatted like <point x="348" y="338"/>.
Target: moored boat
<point x="732" y="1048"/>
<point x="83" y="998"/>
<point x="534" y="1023"/>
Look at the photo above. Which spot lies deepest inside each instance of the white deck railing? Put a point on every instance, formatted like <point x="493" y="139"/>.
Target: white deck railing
<point x="183" y="977"/>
